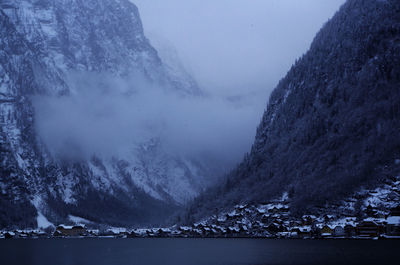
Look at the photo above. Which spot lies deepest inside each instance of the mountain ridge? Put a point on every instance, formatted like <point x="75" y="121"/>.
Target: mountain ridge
<point x="42" y="42"/>
<point x="331" y="125"/>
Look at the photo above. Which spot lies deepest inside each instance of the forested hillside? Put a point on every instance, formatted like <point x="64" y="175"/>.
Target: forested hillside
<point x="332" y="125"/>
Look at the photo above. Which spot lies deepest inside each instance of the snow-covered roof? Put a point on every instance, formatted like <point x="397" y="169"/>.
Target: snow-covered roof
<point x="375" y="220"/>
<point x="344" y="221"/>
<point x="309" y="216"/>
<point x="116" y="230"/>
<point x="305" y="228"/>
<point x="65" y="226"/>
<point x="393" y="220"/>
<point x="320" y="226"/>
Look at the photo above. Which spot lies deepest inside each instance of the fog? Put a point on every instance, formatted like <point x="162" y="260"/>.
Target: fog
<point x="108" y="115"/>
<point x="236" y="50"/>
<point x="236" y="46"/>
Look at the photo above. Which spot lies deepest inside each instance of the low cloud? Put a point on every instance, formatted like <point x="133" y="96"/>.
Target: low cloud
<point x="106" y="115"/>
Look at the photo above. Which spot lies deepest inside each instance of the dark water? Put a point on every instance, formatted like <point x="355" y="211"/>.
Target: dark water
<point x="196" y="252"/>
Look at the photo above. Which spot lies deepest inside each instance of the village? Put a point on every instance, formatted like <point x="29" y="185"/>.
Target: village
<point x="379" y="219"/>
<point x="269" y="221"/>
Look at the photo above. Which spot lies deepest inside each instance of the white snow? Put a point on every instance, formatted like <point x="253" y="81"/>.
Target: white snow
<point x="66" y="227"/>
<point x="21" y="162"/>
<point x="78" y="220"/>
<point x="393" y="220"/>
<point x="42" y="221"/>
<point x="117" y="230"/>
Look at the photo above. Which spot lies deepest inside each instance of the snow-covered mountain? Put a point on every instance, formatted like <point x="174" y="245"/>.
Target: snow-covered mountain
<point x="41" y="43"/>
<point x="332" y="124"/>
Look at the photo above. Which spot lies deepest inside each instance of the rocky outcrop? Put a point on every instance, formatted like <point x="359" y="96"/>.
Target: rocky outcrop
<point x="44" y="41"/>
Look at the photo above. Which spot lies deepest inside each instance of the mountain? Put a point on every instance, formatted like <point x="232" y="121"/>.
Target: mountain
<point x="332" y="124"/>
<point x="43" y="45"/>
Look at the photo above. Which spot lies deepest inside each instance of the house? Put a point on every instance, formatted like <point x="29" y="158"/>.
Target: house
<point x="328" y="218"/>
<point x="199" y="226"/>
<point x="132" y="234"/>
<point x="338" y="231"/>
<point x="273" y="228"/>
<point x="308" y="219"/>
<point x="163" y="232"/>
<point x="326" y="231"/>
<point x="185" y="229"/>
<point x="349" y="230"/>
<point x="283" y="234"/>
<point x="260" y="212"/>
<point x="220" y="221"/>
<point x="244" y="230"/>
<point x="395" y="211"/>
<point x="265" y="218"/>
<point x="367" y="229"/>
<point x="93" y="232"/>
<point x="393" y="226"/>
<point x="65" y="230"/>
<point x="232" y="231"/>
<point x="300" y="232"/>
<point x="197" y="232"/>
<point x="150" y="233"/>
<point x="370" y="211"/>
<point x="294" y="232"/>
<point x="305" y="231"/>
<point x="9" y="235"/>
<point x="233" y="216"/>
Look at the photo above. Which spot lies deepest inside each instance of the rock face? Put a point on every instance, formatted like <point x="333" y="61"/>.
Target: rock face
<point x="332" y="124"/>
<point x="41" y="43"/>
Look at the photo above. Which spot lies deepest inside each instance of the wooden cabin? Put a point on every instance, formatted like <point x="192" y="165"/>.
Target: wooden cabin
<point x="370" y="211"/>
<point x="294" y="232"/>
<point x="393" y="226"/>
<point x="265" y="218"/>
<point x="349" y="230"/>
<point x="338" y="231"/>
<point x="185" y="229"/>
<point x="305" y="231"/>
<point x="328" y="218"/>
<point x="132" y="234"/>
<point x="395" y="211"/>
<point x="64" y="230"/>
<point x="326" y="231"/>
<point x="367" y="229"/>
<point x="9" y="235"/>
<point x="308" y="220"/>
<point x="273" y="228"/>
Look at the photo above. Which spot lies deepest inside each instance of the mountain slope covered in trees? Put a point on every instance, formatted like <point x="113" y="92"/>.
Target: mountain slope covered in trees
<point x="332" y="125"/>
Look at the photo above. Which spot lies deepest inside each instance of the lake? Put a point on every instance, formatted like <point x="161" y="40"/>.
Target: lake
<point x="174" y="251"/>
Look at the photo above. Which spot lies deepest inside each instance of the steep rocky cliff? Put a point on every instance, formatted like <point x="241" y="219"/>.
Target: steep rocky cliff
<point x="41" y="43"/>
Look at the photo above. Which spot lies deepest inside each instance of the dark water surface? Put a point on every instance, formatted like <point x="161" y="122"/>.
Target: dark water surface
<point x="196" y="252"/>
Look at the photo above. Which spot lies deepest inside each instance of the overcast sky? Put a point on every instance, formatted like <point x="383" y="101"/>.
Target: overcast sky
<point x="236" y="46"/>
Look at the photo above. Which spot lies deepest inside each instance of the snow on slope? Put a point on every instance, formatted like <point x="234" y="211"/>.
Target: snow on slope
<point x="54" y="39"/>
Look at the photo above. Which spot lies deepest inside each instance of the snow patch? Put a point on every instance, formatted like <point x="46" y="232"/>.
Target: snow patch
<point x="78" y="220"/>
<point x="42" y="221"/>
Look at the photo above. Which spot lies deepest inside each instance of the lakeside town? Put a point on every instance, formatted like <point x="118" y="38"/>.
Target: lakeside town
<point x="378" y="218"/>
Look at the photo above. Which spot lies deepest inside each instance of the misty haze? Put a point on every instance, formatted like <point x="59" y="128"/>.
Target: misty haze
<point x="149" y="119"/>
